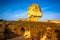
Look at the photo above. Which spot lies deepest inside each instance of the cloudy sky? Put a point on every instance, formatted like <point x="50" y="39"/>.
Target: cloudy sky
<point x="15" y="9"/>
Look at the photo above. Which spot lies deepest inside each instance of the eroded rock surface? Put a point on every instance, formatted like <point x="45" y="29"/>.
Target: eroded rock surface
<point x="36" y="30"/>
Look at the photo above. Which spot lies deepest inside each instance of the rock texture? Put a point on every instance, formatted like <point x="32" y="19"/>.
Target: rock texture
<point x="16" y="29"/>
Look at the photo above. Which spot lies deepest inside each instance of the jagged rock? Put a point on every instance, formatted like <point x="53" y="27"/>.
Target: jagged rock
<point x="37" y="30"/>
<point x="34" y="12"/>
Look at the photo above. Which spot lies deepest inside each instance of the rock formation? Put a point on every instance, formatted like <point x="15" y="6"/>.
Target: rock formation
<point x="34" y="12"/>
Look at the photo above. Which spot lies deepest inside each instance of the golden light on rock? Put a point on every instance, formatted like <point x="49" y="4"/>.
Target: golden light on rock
<point x="34" y="12"/>
<point x="44" y="37"/>
<point x="27" y="34"/>
<point x="48" y="28"/>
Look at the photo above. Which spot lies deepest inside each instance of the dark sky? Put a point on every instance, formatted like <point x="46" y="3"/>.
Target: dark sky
<point x="15" y="9"/>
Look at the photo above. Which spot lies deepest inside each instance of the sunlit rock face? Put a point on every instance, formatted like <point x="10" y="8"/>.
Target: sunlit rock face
<point x="27" y="34"/>
<point x="34" y="12"/>
<point x="43" y="38"/>
<point x="52" y="21"/>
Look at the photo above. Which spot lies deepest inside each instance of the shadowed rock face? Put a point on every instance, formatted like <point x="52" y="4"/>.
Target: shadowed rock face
<point x="35" y="30"/>
<point x="2" y="27"/>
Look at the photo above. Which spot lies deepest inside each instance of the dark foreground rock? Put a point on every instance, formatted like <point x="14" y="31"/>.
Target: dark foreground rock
<point x="15" y="29"/>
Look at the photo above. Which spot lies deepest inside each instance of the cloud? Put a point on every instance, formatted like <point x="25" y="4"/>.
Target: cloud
<point x="44" y="8"/>
<point x="49" y="7"/>
<point x="23" y="14"/>
<point x="13" y="15"/>
<point x="50" y="16"/>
